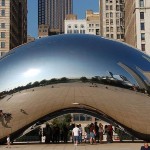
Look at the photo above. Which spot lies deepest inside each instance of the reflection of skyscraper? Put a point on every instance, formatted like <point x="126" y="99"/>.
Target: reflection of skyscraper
<point x="52" y="13"/>
<point x="13" y="24"/>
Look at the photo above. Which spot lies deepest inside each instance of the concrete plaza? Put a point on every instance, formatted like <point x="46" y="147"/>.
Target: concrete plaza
<point x="112" y="146"/>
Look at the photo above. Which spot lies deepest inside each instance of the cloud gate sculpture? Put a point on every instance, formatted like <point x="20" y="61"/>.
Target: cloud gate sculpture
<point x="74" y="72"/>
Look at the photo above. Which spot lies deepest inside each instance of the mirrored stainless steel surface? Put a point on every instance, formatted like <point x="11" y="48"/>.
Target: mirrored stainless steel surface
<point x="56" y="72"/>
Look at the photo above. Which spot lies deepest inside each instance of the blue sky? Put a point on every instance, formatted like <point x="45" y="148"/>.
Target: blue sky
<point x="79" y="8"/>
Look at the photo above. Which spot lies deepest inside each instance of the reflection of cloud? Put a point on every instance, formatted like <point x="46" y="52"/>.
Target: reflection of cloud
<point x="31" y="73"/>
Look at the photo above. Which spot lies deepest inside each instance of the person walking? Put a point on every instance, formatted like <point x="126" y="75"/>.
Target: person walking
<point x="75" y="135"/>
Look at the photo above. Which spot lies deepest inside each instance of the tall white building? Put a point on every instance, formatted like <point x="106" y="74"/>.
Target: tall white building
<point x="137" y="24"/>
<point x="112" y="19"/>
<point x="89" y="25"/>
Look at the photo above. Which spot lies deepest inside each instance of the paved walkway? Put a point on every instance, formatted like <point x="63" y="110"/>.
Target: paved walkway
<point x="112" y="146"/>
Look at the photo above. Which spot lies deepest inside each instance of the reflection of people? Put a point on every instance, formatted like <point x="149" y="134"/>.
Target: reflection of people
<point x="92" y="134"/>
<point x="75" y="134"/>
<point x="1" y="113"/>
<point x="8" y="141"/>
<point x="101" y="132"/>
<point x="145" y="147"/>
<point x="80" y="133"/>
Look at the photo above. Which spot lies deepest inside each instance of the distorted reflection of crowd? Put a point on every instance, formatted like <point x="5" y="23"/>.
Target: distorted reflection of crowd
<point x="93" y="133"/>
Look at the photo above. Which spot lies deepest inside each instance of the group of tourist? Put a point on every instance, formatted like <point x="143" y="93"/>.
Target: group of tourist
<point x="93" y="133"/>
<point x="55" y="134"/>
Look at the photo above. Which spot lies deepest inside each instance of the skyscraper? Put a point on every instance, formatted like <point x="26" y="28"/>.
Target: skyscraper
<point x="53" y="13"/>
<point x="137" y="24"/>
<point x="13" y="24"/>
<point x="112" y="19"/>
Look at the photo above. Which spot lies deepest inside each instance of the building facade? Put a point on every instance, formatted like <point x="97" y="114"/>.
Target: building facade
<point x="30" y="39"/>
<point x="53" y="13"/>
<point x="89" y="25"/>
<point x="13" y="24"/>
<point x="137" y="25"/>
<point x="93" y="24"/>
<point x="112" y="19"/>
<point x="73" y="25"/>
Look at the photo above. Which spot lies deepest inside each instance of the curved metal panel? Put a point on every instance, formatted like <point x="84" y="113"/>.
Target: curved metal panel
<point x="57" y="72"/>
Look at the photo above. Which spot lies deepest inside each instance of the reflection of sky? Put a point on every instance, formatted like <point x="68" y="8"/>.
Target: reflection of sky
<point x="67" y="56"/>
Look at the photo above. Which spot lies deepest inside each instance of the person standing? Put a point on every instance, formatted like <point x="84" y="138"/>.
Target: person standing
<point x="8" y="141"/>
<point x="101" y="130"/>
<point x="96" y="132"/>
<point x="92" y="134"/>
<point x="80" y="133"/>
<point x="75" y="134"/>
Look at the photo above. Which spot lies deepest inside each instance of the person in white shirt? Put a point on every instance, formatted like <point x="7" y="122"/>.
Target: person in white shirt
<point x="75" y="134"/>
<point x="8" y="141"/>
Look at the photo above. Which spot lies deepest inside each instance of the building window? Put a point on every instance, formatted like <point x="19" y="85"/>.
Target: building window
<point x="111" y="21"/>
<point x="107" y="15"/>
<point x="2" y="44"/>
<point x="118" y="29"/>
<point x="117" y="7"/>
<point x="142" y="26"/>
<point x="3" y="25"/>
<point x="76" y="31"/>
<point x="75" y="26"/>
<point x="118" y="36"/>
<point x="3" y="3"/>
<point x="107" y="21"/>
<point x="142" y="36"/>
<point x="117" y="15"/>
<point x="82" y="26"/>
<point x="97" y="25"/>
<point x="107" y="29"/>
<point x="107" y="35"/>
<point x="117" y="22"/>
<point x="122" y="36"/>
<point x="2" y="34"/>
<point x="69" y="26"/>
<point x="106" y="1"/>
<point x="111" y="14"/>
<point x="82" y="31"/>
<point x="112" y="36"/>
<point x="107" y="7"/>
<point x="97" y="31"/>
<point x="141" y="15"/>
<point x="143" y="47"/>
<point x="141" y="3"/>
<point x="2" y="12"/>
<point x="3" y="53"/>
<point x="111" y="29"/>
<point x="76" y="117"/>
<point x="111" y="7"/>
